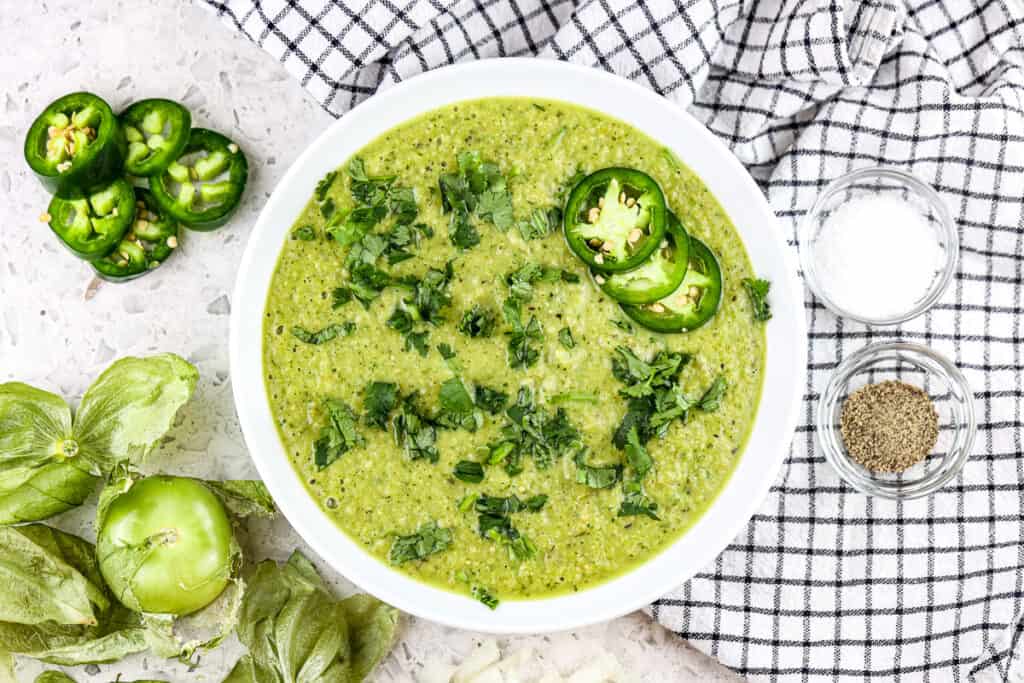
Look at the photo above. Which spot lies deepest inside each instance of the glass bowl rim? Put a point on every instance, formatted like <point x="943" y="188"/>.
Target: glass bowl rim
<point x="923" y="189"/>
<point x="830" y="441"/>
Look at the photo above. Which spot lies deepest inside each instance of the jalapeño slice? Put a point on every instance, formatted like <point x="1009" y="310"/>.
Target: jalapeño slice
<point x="157" y="131"/>
<point x="149" y="242"/>
<point x="75" y="143"/>
<point x="203" y="186"/>
<point x="656" y="277"/>
<point x="92" y="223"/>
<point x="615" y="219"/>
<point x="692" y="304"/>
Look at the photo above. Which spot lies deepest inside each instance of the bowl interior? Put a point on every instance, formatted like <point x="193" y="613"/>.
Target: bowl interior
<point x="885" y="183"/>
<point x="947" y="390"/>
<point x="727" y="179"/>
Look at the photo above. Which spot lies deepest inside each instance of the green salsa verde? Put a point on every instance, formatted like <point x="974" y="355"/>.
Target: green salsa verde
<point x="374" y="491"/>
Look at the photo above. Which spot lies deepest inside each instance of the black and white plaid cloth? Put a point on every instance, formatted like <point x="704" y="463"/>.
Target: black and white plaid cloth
<point x="824" y="583"/>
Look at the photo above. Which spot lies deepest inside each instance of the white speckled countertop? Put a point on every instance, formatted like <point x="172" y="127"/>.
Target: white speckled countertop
<point x="54" y="336"/>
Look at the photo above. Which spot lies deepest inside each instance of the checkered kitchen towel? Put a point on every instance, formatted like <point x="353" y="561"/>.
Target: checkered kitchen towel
<point x="824" y="583"/>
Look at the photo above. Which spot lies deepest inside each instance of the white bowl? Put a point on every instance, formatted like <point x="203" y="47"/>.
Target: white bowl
<point x="746" y="206"/>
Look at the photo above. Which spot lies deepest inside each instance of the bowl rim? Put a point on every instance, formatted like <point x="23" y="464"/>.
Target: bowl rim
<point x="783" y="378"/>
<point x="925" y="190"/>
<point x="830" y="441"/>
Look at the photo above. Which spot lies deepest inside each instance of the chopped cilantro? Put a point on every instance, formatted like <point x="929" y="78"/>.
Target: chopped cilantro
<point x="635" y="502"/>
<point x="477" y="188"/>
<point x="502" y="507"/>
<point x="530" y="431"/>
<point x="521" y="354"/>
<point x="712" y="398"/>
<point x="414" y="432"/>
<point x="324" y="185"/>
<point x="367" y="190"/>
<point x="327" y="208"/>
<point x="324" y="335"/>
<point x="401" y="322"/>
<point x="491" y="400"/>
<point x="379" y="399"/>
<point x="536" y="503"/>
<point x="565" y="338"/>
<point x="340" y="296"/>
<point x="483" y="595"/>
<point x="430" y="294"/>
<point x="306" y="233"/>
<point x="457" y="409"/>
<point x="637" y="457"/>
<point x="520" y="282"/>
<point x="338" y="436"/>
<point x="469" y="472"/>
<point x="595" y="477"/>
<point x="540" y="223"/>
<point x="448" y="353"/>
<point x="402" y="205"/>
<point x="642" y="378"/>
<point x="429" y="539"/>
<point x="477" y="322"/>
<point x="757" y="291"/>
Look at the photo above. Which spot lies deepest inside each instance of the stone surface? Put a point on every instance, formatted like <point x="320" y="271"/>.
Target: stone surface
<point x="58" y="329"/>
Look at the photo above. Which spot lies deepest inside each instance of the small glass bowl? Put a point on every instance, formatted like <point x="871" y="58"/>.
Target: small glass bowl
<point x="921" y="367"/>
<point x="881" y="180"/>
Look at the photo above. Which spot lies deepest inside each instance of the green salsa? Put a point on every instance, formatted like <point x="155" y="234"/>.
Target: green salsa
<point x="372" y="489"/>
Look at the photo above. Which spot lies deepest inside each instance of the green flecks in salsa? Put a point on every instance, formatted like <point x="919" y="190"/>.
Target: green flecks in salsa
<point x="527" y="383"/>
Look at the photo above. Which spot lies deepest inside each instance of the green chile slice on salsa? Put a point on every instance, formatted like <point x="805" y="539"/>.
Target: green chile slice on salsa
<point x="692" y="304"/>
<point x="75" y="143"/>
<point x="615" y="218"/>
<point x="203" y="186"/>
<point x="656" y="277"/>
<point x="92" y="223"/>
<point x="157" y="131"/>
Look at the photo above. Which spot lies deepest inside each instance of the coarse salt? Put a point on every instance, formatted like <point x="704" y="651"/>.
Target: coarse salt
<point x="876" y="256"/>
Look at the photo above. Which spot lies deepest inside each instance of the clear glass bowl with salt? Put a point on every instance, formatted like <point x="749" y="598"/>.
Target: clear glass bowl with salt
<point x="879" y="246"/>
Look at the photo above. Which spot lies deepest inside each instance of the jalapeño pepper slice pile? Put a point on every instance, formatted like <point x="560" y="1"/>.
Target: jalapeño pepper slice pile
<point x="92" y="223"/>
<point x="157" y="131"/>
<point x="151" y="239"/>
<point x="204" y="184"/>
<point x="615" y="219"/>
<point x="75" y="143"/>
<point x="692" y="303"/>
<point x="656" y="277"/>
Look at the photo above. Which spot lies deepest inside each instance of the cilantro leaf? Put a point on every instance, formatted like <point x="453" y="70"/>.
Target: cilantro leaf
<point x="483" y="595"/>
<point x="565" y="338"/>
<point x="540" y="223"/>
<point x="595" y="477"/>
<point x="338" y="436"/>
<point x="520" y="352"/>
<point x="431" y="294"/>
<point x="637" y="457"/>
<point x="712" y="398"/>
<point x="340" y="296"/>
<point x="530" y="431"/>
<point x="457" y="409"/>
<point x="469" y="472"/>
<point x="305" y="233"/>
<point x="379" y="399"/>
<point x="635" y="502"/>
<point x="491" y="400"/>
<point x="414" y="432"/>
<point x="429" y="539"/>
<point x="478" y="321"/>
<point x="324" y="185"/>
<point x="401" y="321"/>
<point x="757" y="291"/>
<point x="476" y="188"/>
<point x="325" y="334"/>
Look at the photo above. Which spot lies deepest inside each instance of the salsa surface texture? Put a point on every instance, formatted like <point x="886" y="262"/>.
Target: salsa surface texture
<point x="374" y="492"/>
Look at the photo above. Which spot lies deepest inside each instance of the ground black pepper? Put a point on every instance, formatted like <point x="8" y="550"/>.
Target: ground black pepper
<point x="889" y="426"/>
